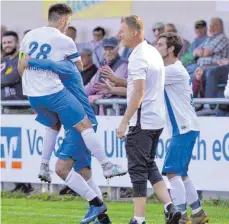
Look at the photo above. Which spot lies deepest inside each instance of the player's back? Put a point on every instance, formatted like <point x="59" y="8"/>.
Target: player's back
<point x="44" y="43"/>
<point x="181" y="116"/>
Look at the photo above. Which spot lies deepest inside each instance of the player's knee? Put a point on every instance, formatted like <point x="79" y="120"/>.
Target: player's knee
<point x="139" y="189"/>
<point x="155" y="175"/>
<point x="83" y="125"/>
<point x="62" y="172"/>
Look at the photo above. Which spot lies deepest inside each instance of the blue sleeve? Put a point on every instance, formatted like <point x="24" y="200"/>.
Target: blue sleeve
<point x="65" y="67"/>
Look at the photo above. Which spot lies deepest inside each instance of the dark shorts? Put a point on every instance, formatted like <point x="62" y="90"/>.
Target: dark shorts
<point x="141" y="148"/>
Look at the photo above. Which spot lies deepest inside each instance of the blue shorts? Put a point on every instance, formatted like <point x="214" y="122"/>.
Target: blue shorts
<point x="73" y="146"/>
<point x="61" y="106"/>
<point x="180" y="153"/>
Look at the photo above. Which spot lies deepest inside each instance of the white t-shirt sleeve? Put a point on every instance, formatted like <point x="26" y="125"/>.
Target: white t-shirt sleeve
<point x="72" y="53"/>
<point x="138" y="68"/>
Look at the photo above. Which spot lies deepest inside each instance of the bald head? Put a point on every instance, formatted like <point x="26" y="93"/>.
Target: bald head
<point x="132" y="31"/>
<point x="216" y="25"/>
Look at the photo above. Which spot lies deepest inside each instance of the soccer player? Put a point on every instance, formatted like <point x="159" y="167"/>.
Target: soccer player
<point x="73" y="151"/>
<point x="183" y="126"/>
<point x="145" y="114"/>
<point x="54" y="104"/>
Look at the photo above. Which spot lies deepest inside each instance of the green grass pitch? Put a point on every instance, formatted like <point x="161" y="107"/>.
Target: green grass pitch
<point x="45" y="209"/>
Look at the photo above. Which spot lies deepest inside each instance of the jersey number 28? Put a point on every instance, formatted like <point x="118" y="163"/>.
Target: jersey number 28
<point x="44" y="50"/>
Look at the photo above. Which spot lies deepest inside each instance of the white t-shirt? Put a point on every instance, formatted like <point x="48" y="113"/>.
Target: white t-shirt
<point x="46" y="43"/>
<point x="146" y="63"/>
<point x="180" y="114"/>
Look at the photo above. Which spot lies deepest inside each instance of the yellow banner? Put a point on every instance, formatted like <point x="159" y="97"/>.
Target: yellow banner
<point x="85" y="9"/>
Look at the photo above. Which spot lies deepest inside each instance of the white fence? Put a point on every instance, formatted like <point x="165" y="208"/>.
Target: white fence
<point x="22" y="139"/>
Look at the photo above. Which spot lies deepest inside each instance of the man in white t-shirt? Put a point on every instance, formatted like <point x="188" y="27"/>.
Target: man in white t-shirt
<point x="145" y="115"/>
<point x="183" y="127"/>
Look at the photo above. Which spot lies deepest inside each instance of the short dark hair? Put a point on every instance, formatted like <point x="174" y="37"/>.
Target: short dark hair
<point x="26" y="31"/>
<point x="72" y="28"/>
<point x="99" y="28"/>
<point x="58" y="10"/>
<point x="10" y="33"/>
<point x="172" y="39"/>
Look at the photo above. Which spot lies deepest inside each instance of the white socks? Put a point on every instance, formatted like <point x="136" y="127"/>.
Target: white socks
<point x="77" y="183"/>
<point x="192" y="196"/>
<point x="49" y="142"/>
<point x="178" y="193"/>
<point x="140" y="220"/>
<point x="91" y="183"/>
<point x="92" y="142"/>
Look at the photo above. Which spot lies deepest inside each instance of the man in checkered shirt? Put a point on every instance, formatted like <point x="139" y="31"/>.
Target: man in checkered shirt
<point x="215" y="47"/>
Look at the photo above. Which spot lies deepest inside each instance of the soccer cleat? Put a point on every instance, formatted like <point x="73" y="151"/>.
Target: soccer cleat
<point x="93" y="213"/>
<point x="44" y="174"/>
<point x="134" y="221"/>
<point x="200" y="218"/>
<point x="173" y="215"/>
<point x="112" y="170"/>
<point x="185" y="219"/>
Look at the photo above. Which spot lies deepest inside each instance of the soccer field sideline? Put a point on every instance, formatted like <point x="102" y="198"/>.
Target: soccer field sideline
<point x="68" y="210"/>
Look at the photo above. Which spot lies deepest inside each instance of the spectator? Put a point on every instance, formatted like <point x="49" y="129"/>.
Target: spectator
<point x="96" y="45"/>
<point x="11" y="86"/>
<point x="215" y="48"/>
<point x="170" y="27"/>
<point x="113" y="65"/>
<point x="71" y="32"/>
<point x="158" y="29"/>
<point x="207" y="80"/>
<point x="188" y="60"/>
<point x="89" y="69"/>
<point x="3" y="30"/>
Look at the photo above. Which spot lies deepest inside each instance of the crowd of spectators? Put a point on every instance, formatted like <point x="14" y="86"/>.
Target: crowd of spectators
<point x="206" y="58"/>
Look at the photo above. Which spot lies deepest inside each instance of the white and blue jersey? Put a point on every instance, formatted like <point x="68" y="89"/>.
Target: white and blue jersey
<point x="45" y="43"/>
<point x="181" y="120"/>
<point x="71" y="79"/>
<point x="180" y="114"/>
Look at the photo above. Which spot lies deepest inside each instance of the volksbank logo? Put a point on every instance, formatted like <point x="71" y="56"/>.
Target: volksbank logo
<point x="11" y="155"/>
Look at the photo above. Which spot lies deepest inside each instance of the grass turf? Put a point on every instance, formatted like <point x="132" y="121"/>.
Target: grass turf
<point x="46" y="209"/>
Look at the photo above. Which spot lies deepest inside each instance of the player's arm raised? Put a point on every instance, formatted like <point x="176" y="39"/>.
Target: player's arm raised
<point x="22" y="63"/>
<point x="22" y="57"/>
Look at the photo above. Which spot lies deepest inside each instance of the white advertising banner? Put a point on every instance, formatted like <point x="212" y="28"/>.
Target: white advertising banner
<point x="22" y="140"/>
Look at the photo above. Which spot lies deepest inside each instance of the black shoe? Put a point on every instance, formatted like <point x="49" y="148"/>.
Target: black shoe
<point x="27" y="188"/>
<point x="69" y="191"/>
<point x="18" y="187"/>
<point x="134" y="221"/>
<point x="173" y="215"/>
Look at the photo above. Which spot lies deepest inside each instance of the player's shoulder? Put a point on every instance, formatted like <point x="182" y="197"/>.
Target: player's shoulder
<point x="176" y="68"/>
